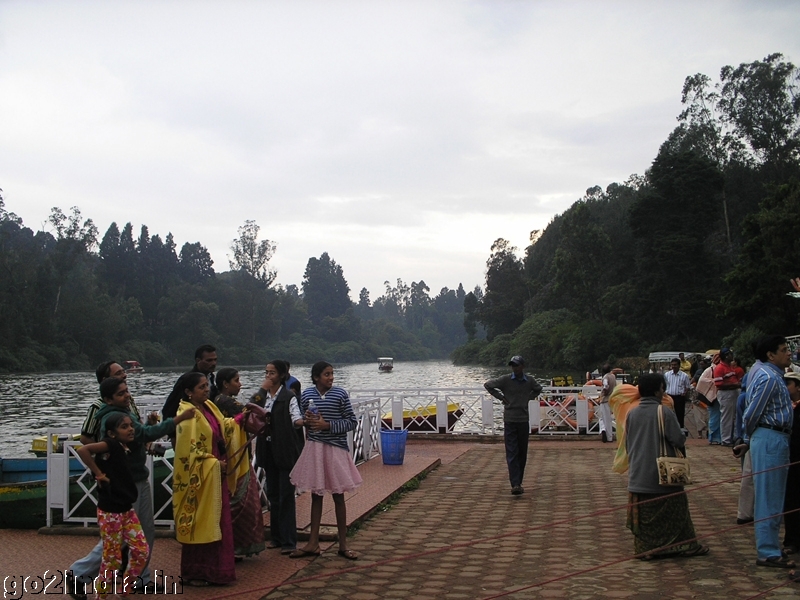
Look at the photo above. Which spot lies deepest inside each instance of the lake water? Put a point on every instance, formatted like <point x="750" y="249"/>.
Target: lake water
<point x="31" y="403"/>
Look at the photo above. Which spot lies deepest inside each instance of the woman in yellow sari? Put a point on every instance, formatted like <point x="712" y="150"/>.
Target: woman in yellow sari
<point x="202" y="484"/>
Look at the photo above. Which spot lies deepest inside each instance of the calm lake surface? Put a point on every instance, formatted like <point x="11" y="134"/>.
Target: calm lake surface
<point x="29" y="404"/>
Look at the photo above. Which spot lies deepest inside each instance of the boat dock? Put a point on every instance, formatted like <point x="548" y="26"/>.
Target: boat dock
<point x="461" y="535"/>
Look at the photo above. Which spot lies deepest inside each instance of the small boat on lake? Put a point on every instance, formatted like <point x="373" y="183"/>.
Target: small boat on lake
<point x="385" y="364"/>
<point x="133" y="366"/>
<point x="424" y="418"/>
<point x="39" y="444"/>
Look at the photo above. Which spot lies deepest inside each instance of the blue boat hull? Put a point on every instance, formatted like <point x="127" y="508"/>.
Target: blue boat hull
<point x="28" y="470"/>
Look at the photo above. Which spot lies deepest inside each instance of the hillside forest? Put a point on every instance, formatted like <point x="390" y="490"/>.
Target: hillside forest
<point x="695" y="253"/>
<point x="69" y="300"/>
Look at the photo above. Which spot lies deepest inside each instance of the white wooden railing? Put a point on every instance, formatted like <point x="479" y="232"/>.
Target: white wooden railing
<point x="459" y="411"/>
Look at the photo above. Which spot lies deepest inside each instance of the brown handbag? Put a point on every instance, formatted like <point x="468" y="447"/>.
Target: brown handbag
<point x="256" y="419"/>
<point x="672" y="470"/>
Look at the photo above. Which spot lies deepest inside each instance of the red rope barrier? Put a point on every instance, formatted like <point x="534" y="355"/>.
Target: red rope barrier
<point x="558" y="523"/>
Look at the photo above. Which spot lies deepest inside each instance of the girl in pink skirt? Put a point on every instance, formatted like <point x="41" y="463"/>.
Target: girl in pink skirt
<point x="325" y="464"/>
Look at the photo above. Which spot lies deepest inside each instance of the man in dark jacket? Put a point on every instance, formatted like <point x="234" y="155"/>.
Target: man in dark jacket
<point x="515" y="391"/>
<point x="205" y="362"/>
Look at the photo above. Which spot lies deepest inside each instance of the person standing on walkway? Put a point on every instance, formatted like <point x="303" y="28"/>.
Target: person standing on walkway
<point x="658" y="516"/>
<point x="205" y="362"/>
<point x="726" y="380"/>
<point x="117" y="399"/>
<point x="325" y="465"/>
<point x="791" y="506"/>
<point x="277" y="451"/>
<point x="116" y="493"/>
<point x="246" y="516"/>
<point x="201" y="498"/>
<point x="685" y="365"/>
<point x="515" y="391"/>
<point x="768" y="419"/>
<point x="678" y="386"/>
<point x="741" y="449"/>
<point x="90" y="430"/>
<point x="604" y="408"/>
<point x="706" y="388"/>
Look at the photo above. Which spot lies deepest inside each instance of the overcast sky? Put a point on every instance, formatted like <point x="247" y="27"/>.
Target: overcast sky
<point x="402" y="138"/>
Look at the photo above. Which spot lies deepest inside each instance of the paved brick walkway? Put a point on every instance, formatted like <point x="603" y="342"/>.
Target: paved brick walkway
<point x="519" y="547"/>
<point x="461" y="535"/>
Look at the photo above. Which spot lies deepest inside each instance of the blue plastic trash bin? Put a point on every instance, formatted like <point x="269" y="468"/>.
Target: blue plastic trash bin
<point x="393" y="446"/>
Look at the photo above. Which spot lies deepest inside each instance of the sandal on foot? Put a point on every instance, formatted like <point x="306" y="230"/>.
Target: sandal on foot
<point x="300" y="553"/>
<point x="348" y="554"/>
<point x="776" y="562"/>
<point x="272" y="546"/>
<point x="698" y="551"/>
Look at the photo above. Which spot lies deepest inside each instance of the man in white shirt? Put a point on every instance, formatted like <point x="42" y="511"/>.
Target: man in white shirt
<point x="678" y="385"/>
<point x="606" y="423"/>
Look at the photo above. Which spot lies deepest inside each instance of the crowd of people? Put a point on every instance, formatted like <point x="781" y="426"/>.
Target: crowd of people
<point x="301" y="445"/>
<point x="752" y="412"/>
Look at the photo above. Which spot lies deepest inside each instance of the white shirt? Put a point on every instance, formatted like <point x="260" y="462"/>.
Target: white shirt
<point x="678" y="384"/>
<point x="294" y="407"/>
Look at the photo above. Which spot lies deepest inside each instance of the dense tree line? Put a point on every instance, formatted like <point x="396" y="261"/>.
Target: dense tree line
<point x="695" y="254"/>
<point x="68" y="302"/>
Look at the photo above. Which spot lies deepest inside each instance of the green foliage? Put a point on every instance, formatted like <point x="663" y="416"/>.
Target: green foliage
<point x="762" y="102"/>
<point x="686" y="256"/>
<point x="758" y="283"/>
<point x="503" y="305"/>
<point x="64" y="305"/>
<point x="497" y="351"/>
<point x="325" y="289"/>
<point x="469" y="353"/>
<point x="252" y="256"/>
<point x="559" y="339"/>
<point x="537" y="339"/>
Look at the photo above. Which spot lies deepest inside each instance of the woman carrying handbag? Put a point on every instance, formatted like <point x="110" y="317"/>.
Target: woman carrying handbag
<point x="658" y="514"/>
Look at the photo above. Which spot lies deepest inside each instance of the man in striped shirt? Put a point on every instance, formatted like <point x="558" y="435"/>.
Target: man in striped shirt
<point x="767" y="420"/>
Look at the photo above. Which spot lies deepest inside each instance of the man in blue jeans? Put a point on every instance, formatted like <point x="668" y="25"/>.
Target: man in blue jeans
<point x="514" y="391"/>
<point x="767" y="419"/>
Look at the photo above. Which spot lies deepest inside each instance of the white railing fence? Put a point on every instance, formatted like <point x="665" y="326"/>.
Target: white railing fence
<point x="557" y="410"/>
<point x="461" y="411"/>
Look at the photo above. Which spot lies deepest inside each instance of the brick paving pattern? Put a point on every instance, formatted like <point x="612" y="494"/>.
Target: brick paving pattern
<point x="468" y="499"/>
<point x="462" y="535"/>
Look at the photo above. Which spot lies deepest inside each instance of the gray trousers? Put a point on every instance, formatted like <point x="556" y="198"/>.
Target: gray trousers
<point x="746" y="491"/>
<point x="90" y="564"/>
<point x="727" y="406"/>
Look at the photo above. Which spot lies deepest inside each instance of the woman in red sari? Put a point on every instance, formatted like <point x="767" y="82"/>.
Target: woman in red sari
<point x="248" y="520"/>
